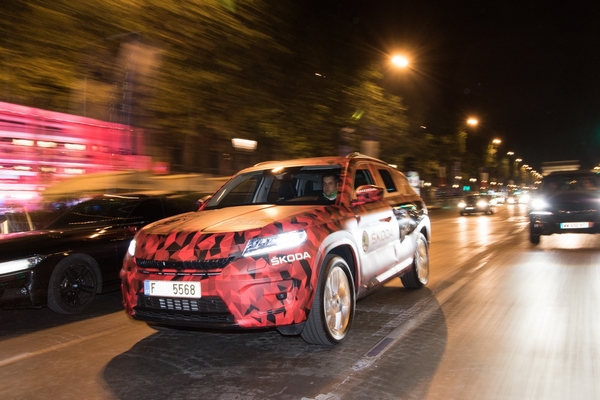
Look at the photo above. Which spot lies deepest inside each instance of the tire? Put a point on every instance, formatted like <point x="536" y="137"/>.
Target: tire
<point x="534" y="238"/>
<point x="462" y="213"/>
<point x="164" y="328"/>
<point x="73" y="286"/>
<point x="333" y="307"/>
<point x="418" y="275"/>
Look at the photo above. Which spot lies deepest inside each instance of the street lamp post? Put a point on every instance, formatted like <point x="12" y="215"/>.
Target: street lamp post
<point x="516" y="169"/>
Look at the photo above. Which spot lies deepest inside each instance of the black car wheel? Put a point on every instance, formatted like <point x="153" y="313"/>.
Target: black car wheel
<point x="333" y="307"/>
<point x="73" y="286"/>
<point x="534" y="238"/>
<point x="418" y="275"/>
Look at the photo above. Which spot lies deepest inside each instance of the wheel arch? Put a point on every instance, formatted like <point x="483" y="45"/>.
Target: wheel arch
<point x="340" y="243"/>
<point x="346" y="252"/>
<point x="425" y="228"/>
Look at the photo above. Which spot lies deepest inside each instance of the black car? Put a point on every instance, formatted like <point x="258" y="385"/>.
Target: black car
<point x="566" y="202"/>
<point x="477" y="203"/>
<point x="80" y="253"/>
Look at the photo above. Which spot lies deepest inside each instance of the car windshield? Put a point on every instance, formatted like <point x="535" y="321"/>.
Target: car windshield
<point x="101" y="210"/>
<point x="476" y="197"/>
<point x="298" y="185"/>
<point x="570" y="182"/>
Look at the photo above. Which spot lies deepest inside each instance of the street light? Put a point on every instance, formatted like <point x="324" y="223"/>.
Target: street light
<point x="472" y="121"/>
<point x="400" y="61"/>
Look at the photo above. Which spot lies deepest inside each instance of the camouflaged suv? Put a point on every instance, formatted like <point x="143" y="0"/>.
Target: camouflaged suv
<point x="280" y="246"/>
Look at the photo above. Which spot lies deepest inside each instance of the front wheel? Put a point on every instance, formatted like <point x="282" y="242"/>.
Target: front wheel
<point x="73" y="286"/>
<point x="418" y="274"/>
<point x="332" y="312"/>
<point x="534" y="238"/>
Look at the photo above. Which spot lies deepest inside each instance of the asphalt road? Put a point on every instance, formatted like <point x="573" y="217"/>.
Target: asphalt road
<point x="500" y="319"/>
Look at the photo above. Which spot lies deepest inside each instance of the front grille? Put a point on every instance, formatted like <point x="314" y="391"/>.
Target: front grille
<point x="203" y="312"/>
<point x="199" y="320"/>
<point x="199" y="265"/>
<point x="202" y="305"/>
<point x="590" y="211"/>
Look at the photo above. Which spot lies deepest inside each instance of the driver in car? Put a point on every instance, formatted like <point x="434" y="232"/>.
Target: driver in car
<point x="330" y="185"/>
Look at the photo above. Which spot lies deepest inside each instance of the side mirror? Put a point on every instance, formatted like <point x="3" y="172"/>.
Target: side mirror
<point x="368" y="194"/>
<point x="202" y="202"/>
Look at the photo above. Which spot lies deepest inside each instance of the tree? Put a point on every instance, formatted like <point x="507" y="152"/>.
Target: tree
<point x="197" y="73"/>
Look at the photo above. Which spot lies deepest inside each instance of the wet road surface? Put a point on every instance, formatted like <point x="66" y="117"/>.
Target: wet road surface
<point x="499" y="319"/>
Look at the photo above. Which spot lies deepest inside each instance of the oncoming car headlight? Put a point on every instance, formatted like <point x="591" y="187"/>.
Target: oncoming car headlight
<point x="19" y="265"/>
<point x="282" y="241"/>
<point x="538" y="204"/>
<point x="482" y="203"/>
<point x="462" y="204"/>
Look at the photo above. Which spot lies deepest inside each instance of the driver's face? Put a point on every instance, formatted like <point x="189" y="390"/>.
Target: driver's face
<point x="329" y="186"/>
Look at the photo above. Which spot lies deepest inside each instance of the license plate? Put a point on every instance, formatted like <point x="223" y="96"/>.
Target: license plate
<point x="172" y="289"/>
<point x="575" y="225"/>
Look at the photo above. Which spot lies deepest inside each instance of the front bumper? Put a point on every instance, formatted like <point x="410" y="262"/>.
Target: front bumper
<point x="475" y="209"/>
<point x="244" y="294"/>
<point x="548" y="223"/>
<point x="17" y="290"/>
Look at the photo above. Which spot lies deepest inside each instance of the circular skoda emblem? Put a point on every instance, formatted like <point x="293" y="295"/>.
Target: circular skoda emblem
<point x="365" y="241"/>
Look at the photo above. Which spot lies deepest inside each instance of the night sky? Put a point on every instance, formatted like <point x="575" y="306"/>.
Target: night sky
<point x="527" y="70"/>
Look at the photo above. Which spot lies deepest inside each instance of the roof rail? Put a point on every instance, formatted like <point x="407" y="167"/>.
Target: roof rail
<point x="358" y="154"/>
<point x="354" y="154"/>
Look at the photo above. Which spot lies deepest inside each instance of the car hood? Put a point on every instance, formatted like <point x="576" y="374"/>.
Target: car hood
<point x="25" y="244"/>
<point x="232" y="219"/>
<point x="575" y="200"/>
<point x="224" y="233"/>
<point x="44" y="242"/>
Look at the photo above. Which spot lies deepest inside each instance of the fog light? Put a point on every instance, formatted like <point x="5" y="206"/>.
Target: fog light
<point x="23" y="291"/>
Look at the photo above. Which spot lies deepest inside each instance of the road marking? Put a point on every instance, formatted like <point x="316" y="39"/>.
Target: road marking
<point x="24" y="356"/>
<point x="424" y="310"/>
<point x="410" y="324"/>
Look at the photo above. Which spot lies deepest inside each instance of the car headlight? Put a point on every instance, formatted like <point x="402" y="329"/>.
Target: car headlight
<point x="282" y="241"/>
<point x="131" y="248"/>
<point x="482" y="203"/>
<point x="19" y="265"/>
<point x="538" y="204"/>
<point x="462" y="204"/>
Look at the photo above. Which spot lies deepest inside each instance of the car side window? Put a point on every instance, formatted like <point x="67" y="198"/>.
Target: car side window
<point x="362" y="177"/>
<point x="178" y="206"/>
<point x="403" y="185"/>
<point x="147" y="211"/>
<point x="390" y="186"/>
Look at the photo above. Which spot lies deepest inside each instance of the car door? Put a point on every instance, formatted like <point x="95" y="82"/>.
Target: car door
<point x="377" y="232"/>
<point x="405" y="204"/>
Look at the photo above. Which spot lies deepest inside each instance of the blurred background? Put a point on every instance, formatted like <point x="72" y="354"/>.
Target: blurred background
<point x="209" y="87"/>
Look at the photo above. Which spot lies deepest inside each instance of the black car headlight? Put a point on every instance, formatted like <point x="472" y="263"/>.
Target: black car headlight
<point x="131" y="248"/>
<point x="21" y="264"/>
<point x="539" y="205"/>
